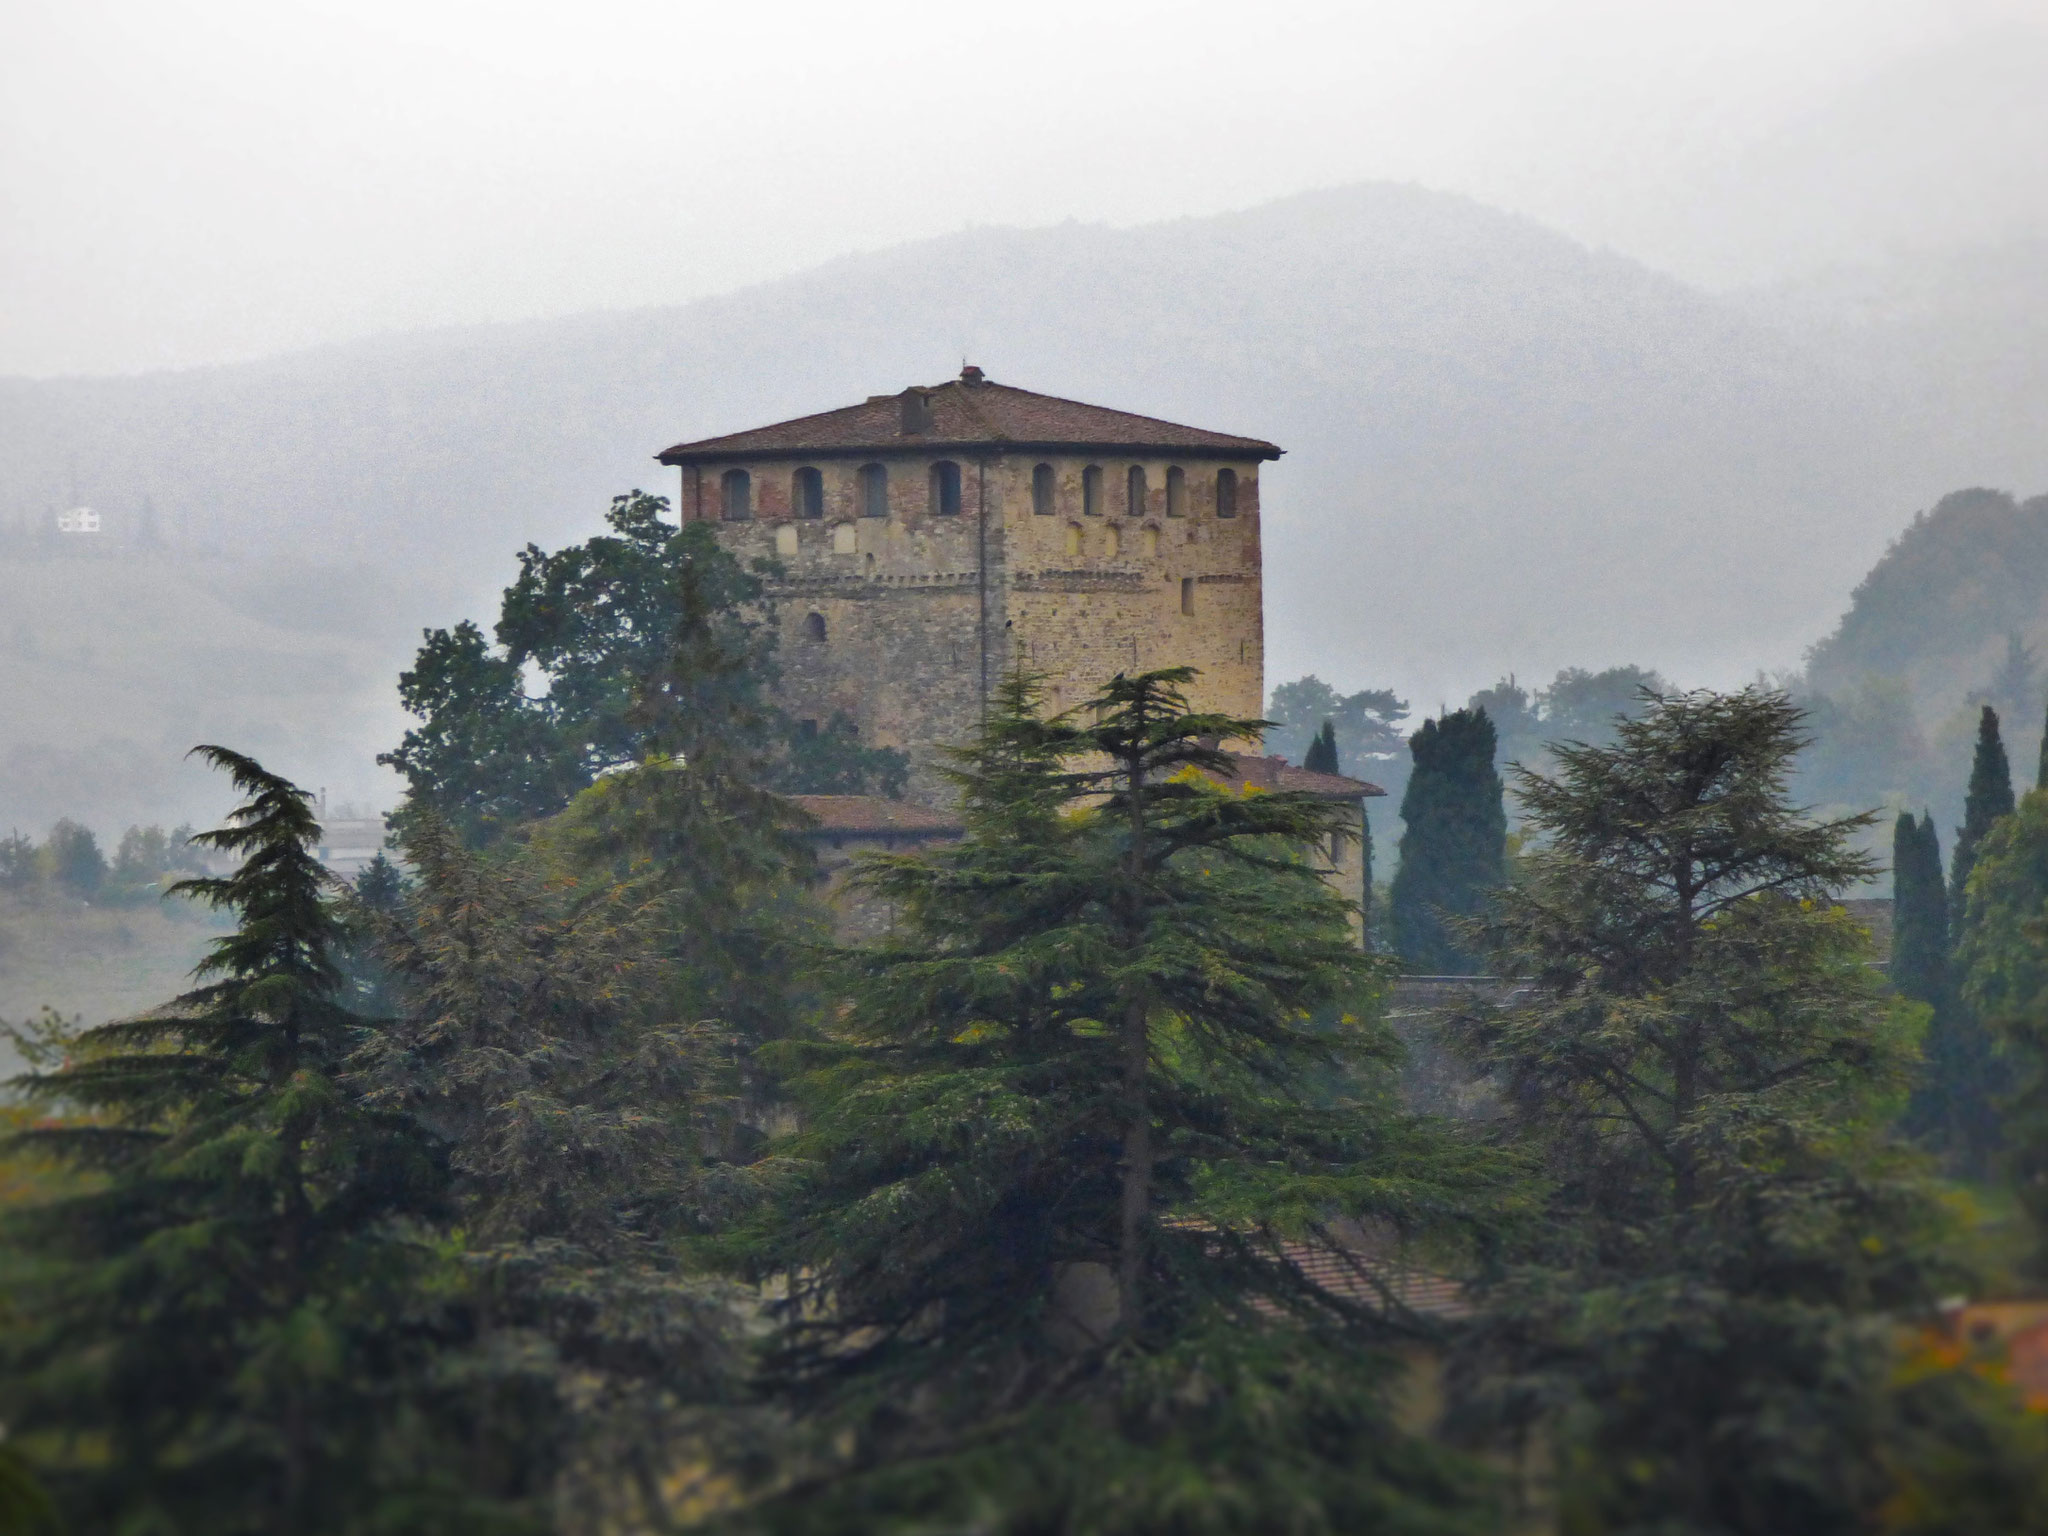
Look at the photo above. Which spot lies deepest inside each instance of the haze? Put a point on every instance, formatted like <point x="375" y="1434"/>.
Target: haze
<point x="188" y="183"/>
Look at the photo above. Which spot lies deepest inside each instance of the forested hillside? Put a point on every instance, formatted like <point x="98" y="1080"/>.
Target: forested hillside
<point x="1465" y="396"/>
<point x="1954" y="616"/>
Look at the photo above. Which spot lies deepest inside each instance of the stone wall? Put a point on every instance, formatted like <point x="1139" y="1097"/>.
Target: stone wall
<point x="901" y="622"/>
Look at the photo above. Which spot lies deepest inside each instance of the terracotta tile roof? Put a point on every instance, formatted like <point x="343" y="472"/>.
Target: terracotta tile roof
<point x="1354" y="1265"/>
<point x="967" y="412"/>
<point x="1374" y="1282"/>
<point x="1278" y="773"/>
<point x="873" y="816"/>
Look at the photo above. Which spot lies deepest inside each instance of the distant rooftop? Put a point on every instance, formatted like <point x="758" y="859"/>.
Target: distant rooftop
<point x="969" y="412"/>
<point x="873" y="816"/>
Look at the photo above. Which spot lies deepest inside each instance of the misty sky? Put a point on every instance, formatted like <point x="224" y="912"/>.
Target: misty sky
<point x="184" y="181"/>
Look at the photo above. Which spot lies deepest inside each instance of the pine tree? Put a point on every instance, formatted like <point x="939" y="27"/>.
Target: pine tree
<point x="227" y="1305"/>
<point x="592" y="1121"/>
<point x="1454" y="848"/>
<point x="1036" y="1271"/>
<point x="1989" y="797"/>
<point x="1702" y="1059"/>
<point x="1322" y="751"/>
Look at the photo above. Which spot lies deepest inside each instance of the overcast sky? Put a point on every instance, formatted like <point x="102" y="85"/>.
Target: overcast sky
<point x="184" y="181"/>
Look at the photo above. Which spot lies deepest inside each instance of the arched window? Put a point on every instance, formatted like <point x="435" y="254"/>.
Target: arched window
<point x="1042" y="489"/>
<point x="1176" y="492"/>
<point x="786" y="540"/>
<point x="807" y="493"/>
<point x="1134" y="491"/>
<point x="1113" y="543"/>
<point x="814" y="628"/>
<point x="1151" y="541"/>
<point x="1073" y="538"/>
<point x="739" y="495"/>
<point x="845" y="539"/>
<point x="874" y="490"/>
<point x="1226" y="493"/>
<point x="945" y="489"/>
<point x="1091" y="490"/>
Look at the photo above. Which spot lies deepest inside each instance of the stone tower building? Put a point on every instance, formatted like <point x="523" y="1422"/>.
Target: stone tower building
<point x="933" y="539"/>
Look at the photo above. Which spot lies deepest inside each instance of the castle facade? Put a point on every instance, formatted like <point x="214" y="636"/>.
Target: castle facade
<point x="933" y="539"/>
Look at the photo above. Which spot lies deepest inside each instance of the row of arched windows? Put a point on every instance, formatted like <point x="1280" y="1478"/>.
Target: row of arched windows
<point x="807" y="491"/>
<point x="1137" y="491"/>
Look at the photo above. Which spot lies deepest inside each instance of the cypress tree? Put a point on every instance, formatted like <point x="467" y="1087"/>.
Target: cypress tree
<point x="1038" y="1274"/>
<point x="1989" y="797"/>
<point x="1454" y="850"/>
<point x="1919" y="963"/>
<point x="1322" y="751"/>
<point x="1950" y="1109"/>
<point x="2041" y="770"/>
<point x="214" y="1322"/>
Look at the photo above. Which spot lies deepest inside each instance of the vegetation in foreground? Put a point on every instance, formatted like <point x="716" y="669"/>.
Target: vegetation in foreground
<point x="576" y="1183"/>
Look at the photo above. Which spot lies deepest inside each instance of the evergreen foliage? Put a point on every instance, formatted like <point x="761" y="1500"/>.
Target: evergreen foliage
<point x="1950" y="1110"/>
<point x="1989" y="797"/>
<point x="1919" y="961"/>
<point x="1367" y="913"/>
<point x="592" y="1120"/>
<point x="1954" y="1109"/>
<point x="1055" y="1146"/>
<point x="1704" y="1062"/>
<point x="2003" y="961"/>
<point x="215" y="1316"/>
<point x="1454" y="848"/>
<point x="2041" y="769"/>
<point x="1367" y="724"/>
<point x="1322" y="751"/>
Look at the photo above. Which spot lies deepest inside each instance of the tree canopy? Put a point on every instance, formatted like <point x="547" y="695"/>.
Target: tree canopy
<point x="649" y="641"/>
<point x="1705" y="1065"/>
<point x="1454" y="849"/>
<point x="1057" y="1148"/>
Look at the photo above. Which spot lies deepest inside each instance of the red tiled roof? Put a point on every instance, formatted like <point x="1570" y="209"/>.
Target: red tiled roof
<point x="873" y="816"/>
<point x="1277" y="773"/>
<point x="963" y="413"/>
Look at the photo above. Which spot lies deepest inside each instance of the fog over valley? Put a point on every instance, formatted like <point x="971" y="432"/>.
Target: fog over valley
<point x="1505" y="452"/>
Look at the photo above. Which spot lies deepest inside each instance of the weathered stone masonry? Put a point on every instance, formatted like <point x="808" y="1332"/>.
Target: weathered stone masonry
<point x="935" y="538"/>
<point x="931" y="540"/>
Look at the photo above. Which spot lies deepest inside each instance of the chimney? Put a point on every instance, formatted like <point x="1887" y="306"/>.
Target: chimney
<point x="917" y="412"/>
<point x="970" y="375"/>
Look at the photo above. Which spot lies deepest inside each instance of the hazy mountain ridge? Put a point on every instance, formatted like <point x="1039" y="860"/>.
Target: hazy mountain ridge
<point x="1467" y="398"/>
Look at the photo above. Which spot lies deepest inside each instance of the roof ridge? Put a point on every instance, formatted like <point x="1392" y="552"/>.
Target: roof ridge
<point x="976" y="410"/>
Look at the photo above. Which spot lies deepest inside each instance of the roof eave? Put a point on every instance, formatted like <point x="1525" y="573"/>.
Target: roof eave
<point x="710" y="453"/>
